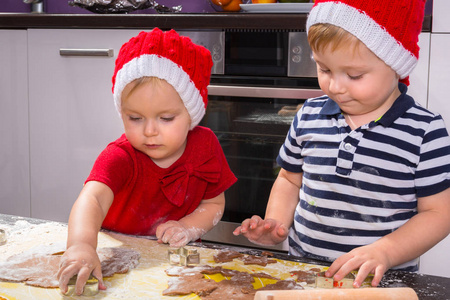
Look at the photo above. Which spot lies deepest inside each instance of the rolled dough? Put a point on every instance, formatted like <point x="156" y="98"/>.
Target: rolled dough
<point x="39" y="268"/>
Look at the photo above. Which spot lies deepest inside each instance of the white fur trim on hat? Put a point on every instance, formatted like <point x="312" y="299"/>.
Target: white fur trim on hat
<point x="362" y="26"/>
<point x="151" y="65"/>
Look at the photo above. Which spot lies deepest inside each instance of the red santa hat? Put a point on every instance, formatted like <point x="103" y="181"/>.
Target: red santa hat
<point x="169" y="56"/>
<point x="390" y="29"/>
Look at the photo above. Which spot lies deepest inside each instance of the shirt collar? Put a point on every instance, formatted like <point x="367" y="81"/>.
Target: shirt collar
<point x="400" y="106"/>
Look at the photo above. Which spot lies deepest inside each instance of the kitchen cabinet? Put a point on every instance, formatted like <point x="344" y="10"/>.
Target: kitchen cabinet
<point x="418" y="87"/>
<point x="441" y="21"/>
<point x="72" y="115"/>
<point x="438" y="94"/>
<point x="437" y="260"/>
<point x="14" y="150"/>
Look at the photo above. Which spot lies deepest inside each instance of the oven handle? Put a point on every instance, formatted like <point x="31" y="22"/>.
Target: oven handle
<point x="263" y="92"/>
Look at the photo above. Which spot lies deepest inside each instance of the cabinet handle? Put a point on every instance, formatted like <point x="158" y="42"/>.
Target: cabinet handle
<point x="86" y="52"/>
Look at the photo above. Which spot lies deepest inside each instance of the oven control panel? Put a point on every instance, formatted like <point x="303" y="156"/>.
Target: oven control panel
<point x="214" y="41"/>
<point x="300" y="59"/>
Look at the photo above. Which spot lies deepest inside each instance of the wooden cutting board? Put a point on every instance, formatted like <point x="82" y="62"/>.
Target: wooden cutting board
<point x="147" y="281"/>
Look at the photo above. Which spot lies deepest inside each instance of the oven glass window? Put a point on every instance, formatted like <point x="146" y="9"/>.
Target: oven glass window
<point x="251" y="132"/>
<point x="250" y="53"/>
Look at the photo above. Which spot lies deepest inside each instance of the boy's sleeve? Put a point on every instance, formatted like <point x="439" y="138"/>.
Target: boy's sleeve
<point x="289" y="157"/>
<point x="433" y="170"/>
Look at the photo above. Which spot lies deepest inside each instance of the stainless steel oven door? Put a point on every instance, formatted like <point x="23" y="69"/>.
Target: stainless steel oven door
<point x="251" y="123"/>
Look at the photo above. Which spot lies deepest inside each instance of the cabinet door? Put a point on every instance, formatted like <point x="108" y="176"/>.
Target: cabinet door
<point x="437" y="260"/>
<point x="441" y="21"/>
<point x="14" y="150"/>
<point x="72" y="115"/>
<point x="438" y="94"/>
<point x="418" y="87"/>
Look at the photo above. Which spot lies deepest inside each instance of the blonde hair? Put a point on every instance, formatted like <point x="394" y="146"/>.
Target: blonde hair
<point x="132" y="86"/>
<point x="324" y="35"/>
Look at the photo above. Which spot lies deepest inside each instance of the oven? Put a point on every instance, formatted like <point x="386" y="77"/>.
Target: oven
<point x="260" y="79"/>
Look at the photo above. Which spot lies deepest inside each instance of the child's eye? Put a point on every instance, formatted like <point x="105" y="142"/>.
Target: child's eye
<point x="132" y="118"/>
<point x="355" y="77"/>
<point x="324" y="71"/>
<point x="167" y="119"/>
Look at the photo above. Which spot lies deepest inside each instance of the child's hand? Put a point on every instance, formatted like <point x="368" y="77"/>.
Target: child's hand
<point x="83" y="260"/>
<point x="262" y="232"/>
<point x="368" y="259"/>
<point x="176" y="235"/>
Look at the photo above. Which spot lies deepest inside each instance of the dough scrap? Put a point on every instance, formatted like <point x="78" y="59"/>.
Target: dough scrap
<point x="117" y="260"/>
<point x="282" y="285"/>
<point x="305" y="276"/>
<point x="257" y="260"/>
<point x="36" y="270"/>
<point x="190" y="283"/>
<point x="264" y="275"/>
<point x="226" y="256"/>
<point x="219" y="269"/>
<point x="239" y="287"/>
<point x="40" y="268"/>
<point x="230" y="273"/>
<point x="232" y="289"/>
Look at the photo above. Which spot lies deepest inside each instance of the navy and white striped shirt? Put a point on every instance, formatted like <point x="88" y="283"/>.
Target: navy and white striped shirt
<point x="363" y="184"/>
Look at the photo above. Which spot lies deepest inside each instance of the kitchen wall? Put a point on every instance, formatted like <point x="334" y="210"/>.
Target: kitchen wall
<point x="62" y="6"/>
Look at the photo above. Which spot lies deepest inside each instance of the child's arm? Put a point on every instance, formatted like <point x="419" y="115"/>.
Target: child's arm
<point x="193" y="226"/>
<point x="411" y="240"/>
<point x="279" y="212"/>
<point x="85" y="221"/>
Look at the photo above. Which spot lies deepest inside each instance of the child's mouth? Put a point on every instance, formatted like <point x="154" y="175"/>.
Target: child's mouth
<point x="152" y="146"/>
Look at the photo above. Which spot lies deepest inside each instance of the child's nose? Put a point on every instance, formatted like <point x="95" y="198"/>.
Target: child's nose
<point x="336" y="86"/>
<point x="150" y="128"/>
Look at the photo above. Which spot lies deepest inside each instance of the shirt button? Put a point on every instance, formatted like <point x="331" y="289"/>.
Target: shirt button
<point x="348" y="146"/>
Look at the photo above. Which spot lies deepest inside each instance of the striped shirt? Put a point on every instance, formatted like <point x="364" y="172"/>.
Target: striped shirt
<point x="359" y="185"/>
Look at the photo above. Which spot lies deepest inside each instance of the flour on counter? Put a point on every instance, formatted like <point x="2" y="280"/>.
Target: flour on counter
<point x="22" y="236"/>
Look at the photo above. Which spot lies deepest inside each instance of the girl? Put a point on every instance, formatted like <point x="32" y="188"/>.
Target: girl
<point x="165" y="176"/>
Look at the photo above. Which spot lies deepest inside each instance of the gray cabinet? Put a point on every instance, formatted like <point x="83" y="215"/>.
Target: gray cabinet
<point x="72" y="115"/>
<point x="441" y="21"/>
<point x="437" y="260"/>
<point x="419" y="77"/>
<point x="14" y="149"/>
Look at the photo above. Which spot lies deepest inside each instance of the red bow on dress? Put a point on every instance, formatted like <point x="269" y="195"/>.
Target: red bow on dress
<point x="174" y="185"/>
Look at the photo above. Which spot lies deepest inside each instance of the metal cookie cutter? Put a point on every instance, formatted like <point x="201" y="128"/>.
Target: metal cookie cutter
<point x="90" y="289"/>
<point x="184" y="256"/>
<point x="2" y="237"/>
<point x="329" y="283"/>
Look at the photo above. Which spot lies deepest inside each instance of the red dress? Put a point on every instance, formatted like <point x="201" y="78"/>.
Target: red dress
<point x="146" y="195"/>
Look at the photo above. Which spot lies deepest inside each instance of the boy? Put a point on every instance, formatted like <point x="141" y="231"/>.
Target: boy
<point x="365" y="178"/>
<point x="165" y="176"/>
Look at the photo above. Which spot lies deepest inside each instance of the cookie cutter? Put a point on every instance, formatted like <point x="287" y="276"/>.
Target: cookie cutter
<point x="2" y="237"/>
<point x="329" y="283"/>
<point x="184" y="256"/>
<point x="90" y="289"/>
